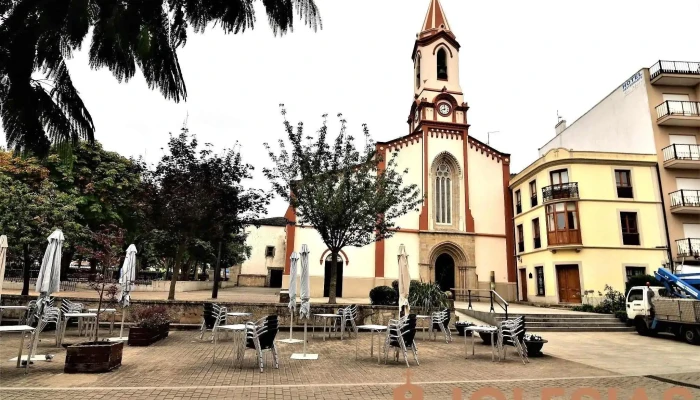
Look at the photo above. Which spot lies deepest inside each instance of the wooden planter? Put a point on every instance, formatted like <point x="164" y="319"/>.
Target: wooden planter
<point x="145" y="337"/>
<point x="93" y="357"/>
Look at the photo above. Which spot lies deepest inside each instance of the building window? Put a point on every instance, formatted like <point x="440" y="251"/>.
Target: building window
<point x="521" y="239"/>
<point x="634" y="271"/>
<point x="443" y="185"/>
<point x="559" y="177"/>
<point x="624" y="184"/>
<point x="442" y="64"/>
<point x="418" y="72"/>
<point x="539" y="274"/>
<point x="518" y="202"/>
<point x="536" y="233"/>
<point x="270" y="251"/>
<point x="533" y="193"/>
<point x="630" y="231"/>
<point x="563" y="224"/>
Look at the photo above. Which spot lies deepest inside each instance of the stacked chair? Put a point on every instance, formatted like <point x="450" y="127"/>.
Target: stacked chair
<point x="440" y="321"/>
<point x="214" y="316"/>
<point x="260" y="336"/>
<point x="401" y="335"/>
<point x="511" y="333"/>
<point x="348" y="320"/>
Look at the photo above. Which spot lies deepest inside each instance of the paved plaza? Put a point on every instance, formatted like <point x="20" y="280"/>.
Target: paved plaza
<point x="182" y="366"/>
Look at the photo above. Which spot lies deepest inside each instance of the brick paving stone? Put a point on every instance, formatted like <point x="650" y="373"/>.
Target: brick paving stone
<point x="181" y="366"/>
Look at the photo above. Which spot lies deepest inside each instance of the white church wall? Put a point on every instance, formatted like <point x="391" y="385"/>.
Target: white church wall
<point x="486" y="193"/>
<point x="410" y="157"/>
<point x="258" y="239"/>
<point x="391" y="251"/>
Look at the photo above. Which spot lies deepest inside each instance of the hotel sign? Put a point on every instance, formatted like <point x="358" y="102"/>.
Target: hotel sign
<point x="632" y="82"/>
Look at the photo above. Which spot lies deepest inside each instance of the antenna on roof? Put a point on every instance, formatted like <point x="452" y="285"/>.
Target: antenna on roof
<point x="559" y="117"/>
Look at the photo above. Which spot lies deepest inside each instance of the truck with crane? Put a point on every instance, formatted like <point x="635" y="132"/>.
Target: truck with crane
<point x="671" y="308"/>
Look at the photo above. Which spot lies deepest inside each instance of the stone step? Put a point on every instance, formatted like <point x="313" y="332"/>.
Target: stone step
<point x="581" y="329"/>
<point x="572" y="320"/>
<point x="559" y="316"/>
<point x="533" y="325"/>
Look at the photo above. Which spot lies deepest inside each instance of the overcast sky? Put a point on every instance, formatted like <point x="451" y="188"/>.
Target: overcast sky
<point x="521" y="61"/>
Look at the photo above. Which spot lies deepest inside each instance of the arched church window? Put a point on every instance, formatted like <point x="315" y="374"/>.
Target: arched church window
<point x="418" y="72"/>
<point x="443" y="185"/>
<point x="442" y="64"/>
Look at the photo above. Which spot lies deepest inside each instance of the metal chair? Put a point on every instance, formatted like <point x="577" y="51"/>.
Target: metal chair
<point x="441" y="322"/>
<point x="401" y="335"/>
<point x="347" y="321"/>
<point x="260" y="336"/>
<point x="510" y="333"/>
<point x="218" y="313"/>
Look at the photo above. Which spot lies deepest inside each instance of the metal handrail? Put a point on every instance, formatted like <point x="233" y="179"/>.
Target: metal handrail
<point x="688" y="247"/>
<point x="674" y="67"/>
<point x="678" y="107"/>
<point x="685" y="198"/>
<point x="682" y="152"/>
<point x="503" y="304"/>
<point x="568" y="190"/>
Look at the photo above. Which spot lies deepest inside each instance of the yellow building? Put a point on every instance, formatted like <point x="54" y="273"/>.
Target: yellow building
<point x="584" y="220"/>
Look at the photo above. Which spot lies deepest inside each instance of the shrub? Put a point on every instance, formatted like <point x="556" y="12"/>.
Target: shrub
<point x="383" y="296"/>
<point x="583" y="308"/>
<point x="426" y="295"/>
<point x="395" y="285"/>
<point x="613" y="301"/>
<point x="640" y="280"/>
<point x="151" y="317"/>
<point x="621" y="315"/>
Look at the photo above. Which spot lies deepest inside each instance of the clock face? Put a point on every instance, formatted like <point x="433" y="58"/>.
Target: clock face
<point x="444" y="109"/>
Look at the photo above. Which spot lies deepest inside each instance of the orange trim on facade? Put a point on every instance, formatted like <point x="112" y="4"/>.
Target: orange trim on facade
<point x="323" y="256"/>
<point x="510" y="230"/>
<point x="423" y="221"/>
<point x="291" y="232"/>
<point x="468" y="217"/>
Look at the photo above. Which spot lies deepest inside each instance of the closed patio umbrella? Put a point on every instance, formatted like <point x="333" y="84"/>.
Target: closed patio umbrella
<point x="126" y="278"/>
<point x="404" y="281"/>
<point x="293" y="259"/>
<point x="3" y="257"/>
<point x="305" y="309"/>
<point x="49" y="279"/>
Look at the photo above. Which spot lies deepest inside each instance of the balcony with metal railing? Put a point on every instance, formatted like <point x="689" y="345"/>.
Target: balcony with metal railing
<point x="685" y="201"/>
<point x="682" y="156"/>
<point x="560" y="191"/>
<point x="675" y="73"/>
<point x="688" y="247"/>
<point x="678" y="113"/>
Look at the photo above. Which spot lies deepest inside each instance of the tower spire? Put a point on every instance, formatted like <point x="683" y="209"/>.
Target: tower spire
<point x="435" y="19"/>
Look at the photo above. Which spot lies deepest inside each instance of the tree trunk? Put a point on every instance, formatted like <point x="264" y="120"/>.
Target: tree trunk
<point x="93" y="265"/>
<point x="334" y="277"/>
<point x="176" y="269"/>
<point x="27" y="264"/>
<point x="65" y="262"/>
<point x="217" y="274"/>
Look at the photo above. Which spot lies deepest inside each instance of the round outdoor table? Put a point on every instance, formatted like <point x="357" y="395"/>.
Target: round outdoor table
<point x="3" y="308"/>
<point x="425" y="317"/>
<point x="486" y="329"/>
<point x="238" y="339"/>
<point x="325" y="317"/>
<point x="374" y="329"/>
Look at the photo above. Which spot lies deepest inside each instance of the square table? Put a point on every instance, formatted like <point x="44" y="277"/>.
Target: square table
<point x="430" y="322"/>
<point x="22" y="329"/>
<point x="3" y="308"/>
<point x="476" y="329"/>
<point x="325" y="317"/>
<point x="80" y="316"/>
<point x="238" y="315"/>
<point x="374" y="329"/>
<point x="112" y="311"/>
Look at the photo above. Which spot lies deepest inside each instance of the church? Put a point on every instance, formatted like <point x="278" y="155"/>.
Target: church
<point x="462" y="237"/>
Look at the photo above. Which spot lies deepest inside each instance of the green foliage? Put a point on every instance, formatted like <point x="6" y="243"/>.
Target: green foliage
<point x="583" y="308"/>
<point x="427" y="296"/>
<point x="641" y="280"/>
<point x="621" y="315"/>
<point x="383" y="296"/>
<point x="38" y="37"/>
<point x="613" y="301"/>
<point x="152" y="317"/>
<point x="352" y="196"/>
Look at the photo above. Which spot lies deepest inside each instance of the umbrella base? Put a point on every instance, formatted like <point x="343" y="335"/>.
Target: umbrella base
<point x="290" y="341"/>
<point x="119" y="339"/>
<point x="35" y="357"/>
<point x="302" y="356"/>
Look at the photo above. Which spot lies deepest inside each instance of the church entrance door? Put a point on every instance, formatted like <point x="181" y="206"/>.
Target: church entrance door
<point x="445" y="272"/>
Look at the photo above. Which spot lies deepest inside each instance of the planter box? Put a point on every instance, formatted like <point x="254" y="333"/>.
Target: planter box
<point x="145" y="337"/>
<point x="93" y="357"/>
<point x="534" y="347"/>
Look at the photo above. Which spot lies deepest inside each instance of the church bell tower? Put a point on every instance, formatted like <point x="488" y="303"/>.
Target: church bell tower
<point x="438" y="95"/>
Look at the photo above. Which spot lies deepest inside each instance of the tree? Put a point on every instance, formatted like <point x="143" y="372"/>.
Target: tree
<point x="340" y="190"/>
<point x="39" y="36"/>
<point x="199" y="196"/>
<point x="110" y="189"/>
<point x="33" y="207"/>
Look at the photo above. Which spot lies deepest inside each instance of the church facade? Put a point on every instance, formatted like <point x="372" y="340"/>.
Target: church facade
<point x="462" y="236"/>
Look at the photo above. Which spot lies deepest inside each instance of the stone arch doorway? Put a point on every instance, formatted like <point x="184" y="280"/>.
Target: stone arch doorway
<point x="339" y="277"/>
<point x="445" y="271"/>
